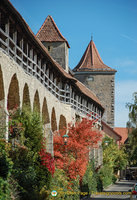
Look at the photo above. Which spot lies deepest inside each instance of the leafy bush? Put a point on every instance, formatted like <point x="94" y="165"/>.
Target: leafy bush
<point x="106" y="174"/>
<point x="5" y="161"/>
<point x="89" y="181"/>
<point x="28" y="170"/>
<point x="65" y="188"/>
<point x="8" y="186"/>
<point x="4" y="190"/>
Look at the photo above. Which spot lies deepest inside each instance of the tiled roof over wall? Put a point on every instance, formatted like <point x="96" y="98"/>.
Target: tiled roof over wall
<point x="123" y="132"/>
<point x="36" y="42"/>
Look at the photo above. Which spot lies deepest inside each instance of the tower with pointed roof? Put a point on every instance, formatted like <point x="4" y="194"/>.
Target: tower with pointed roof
<point x="54" y="41"/>
<point x="99" y="78"/>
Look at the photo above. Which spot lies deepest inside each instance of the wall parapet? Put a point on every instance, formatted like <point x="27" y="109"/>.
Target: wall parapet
<point x="22" y="49"/>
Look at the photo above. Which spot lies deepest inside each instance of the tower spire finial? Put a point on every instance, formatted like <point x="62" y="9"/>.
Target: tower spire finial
<point x="91" y="36"/>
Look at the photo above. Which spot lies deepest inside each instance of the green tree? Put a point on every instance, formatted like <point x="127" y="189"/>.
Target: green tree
<point x="8" y="186"/>
<point x="89" y="181"/>
<point x="132" y="123"/>
<point x="114" y="159"/>
<point x="132" y="137"/>
<point x="27" y="133"/>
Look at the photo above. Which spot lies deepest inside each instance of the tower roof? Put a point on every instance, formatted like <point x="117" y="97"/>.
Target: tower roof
<point x="49" y="32"/>
<point x="91" y="60"/>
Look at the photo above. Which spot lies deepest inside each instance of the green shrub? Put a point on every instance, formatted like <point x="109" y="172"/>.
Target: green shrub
<point x="8" y="186"/>
<point x="65" y="188"/>
<point x="89" y="181"/>
<point x="29" y="128"/>
<point x="5" y="162"/>
<point x="4" y="190"/>
<point x="106" y="174"/>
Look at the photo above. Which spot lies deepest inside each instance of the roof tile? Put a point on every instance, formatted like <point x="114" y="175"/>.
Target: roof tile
<point x="81" y="87"/>
<point x="49" y="32"/>
<point x="123" y="132"/>
<point x="91" y="60"/>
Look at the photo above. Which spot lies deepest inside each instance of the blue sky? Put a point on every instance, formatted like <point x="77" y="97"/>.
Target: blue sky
<point x="113" y="24"/>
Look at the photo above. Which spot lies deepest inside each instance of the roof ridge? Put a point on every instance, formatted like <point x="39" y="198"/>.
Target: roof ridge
<point x="97" y="53"/>
<point x="40" y="28"/>
<point x="86" y="54"/>
<point x="45" y="51"/>
<point x="57" y="27"/>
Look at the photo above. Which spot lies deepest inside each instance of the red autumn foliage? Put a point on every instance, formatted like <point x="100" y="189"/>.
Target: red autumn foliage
<point x="73" y="157"/>
<point x="46" y="159"/>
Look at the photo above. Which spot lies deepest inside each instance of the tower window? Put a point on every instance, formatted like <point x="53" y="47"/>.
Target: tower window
<point x="49" y="48"/>
<point x="90" y="78"/>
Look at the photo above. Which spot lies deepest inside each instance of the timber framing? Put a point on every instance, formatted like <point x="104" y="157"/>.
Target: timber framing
<point x="18" y="41"/>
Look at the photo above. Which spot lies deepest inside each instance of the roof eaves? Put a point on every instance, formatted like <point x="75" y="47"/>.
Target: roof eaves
<point x="111" y="129"/>
<point x="45" y="51"/>
<point x="89" y="94"/>
<point x="37" y="41"/>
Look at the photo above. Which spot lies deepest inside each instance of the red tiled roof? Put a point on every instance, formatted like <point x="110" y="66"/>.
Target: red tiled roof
<point x="49" y="32"/>
<point x="123" y="132"/>
<point x="37" y="42"/>
<point x="87" y="92"/>
<point x="91" y="60"/>
<point x="112" y="130"/>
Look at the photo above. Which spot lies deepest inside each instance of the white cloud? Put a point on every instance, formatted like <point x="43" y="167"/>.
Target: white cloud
<point x="123" y="94"/>
<point x="128" y="37"/>
<point x="127" y="63"/>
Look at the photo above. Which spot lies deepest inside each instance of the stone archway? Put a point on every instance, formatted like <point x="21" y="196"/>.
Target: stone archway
<point x="36" y="103"/>
<point x="62" y="122"/>
<point x="1" y="89"/>
<point x="45" y="113"/>
<point x="47" y="127"/>
<point x="26" y="96"/>
<point x="2" y="106"/>
<point x="13" y="100"/>
<point x="53" y="120"/>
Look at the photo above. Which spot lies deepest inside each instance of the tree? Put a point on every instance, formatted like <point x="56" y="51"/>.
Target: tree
<point x="132" y="123"/>
<point x="32" y="165"/>
<point x="114" y="159"/>
<point x="132" y="137"/>
<point x="113" y="155"/>
<point x="73" y="157"/>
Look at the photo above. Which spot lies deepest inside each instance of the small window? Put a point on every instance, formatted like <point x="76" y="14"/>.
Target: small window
<point x="90" y="78"/>
<point x="48" y="48"/>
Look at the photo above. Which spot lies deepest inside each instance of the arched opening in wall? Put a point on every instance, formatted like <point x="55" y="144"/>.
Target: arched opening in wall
<point x="36" y="104"/>
<point x="26" y="97"/>
<point x="45" y="113"/>
<point x="2" y="106"/>
<point x="1" y="89"/>
<point x="13" y="94"/>
<point x="62" y="122"/>
<point x="77" y="118"/>
<point x="53" y="120"/>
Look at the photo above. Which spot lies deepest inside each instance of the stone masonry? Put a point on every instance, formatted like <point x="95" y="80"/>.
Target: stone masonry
<point x="99" y="78"/>
<point x="103" y="86"/>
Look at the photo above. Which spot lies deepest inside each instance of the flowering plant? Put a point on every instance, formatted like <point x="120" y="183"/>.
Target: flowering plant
<point x="47" y="160"/>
